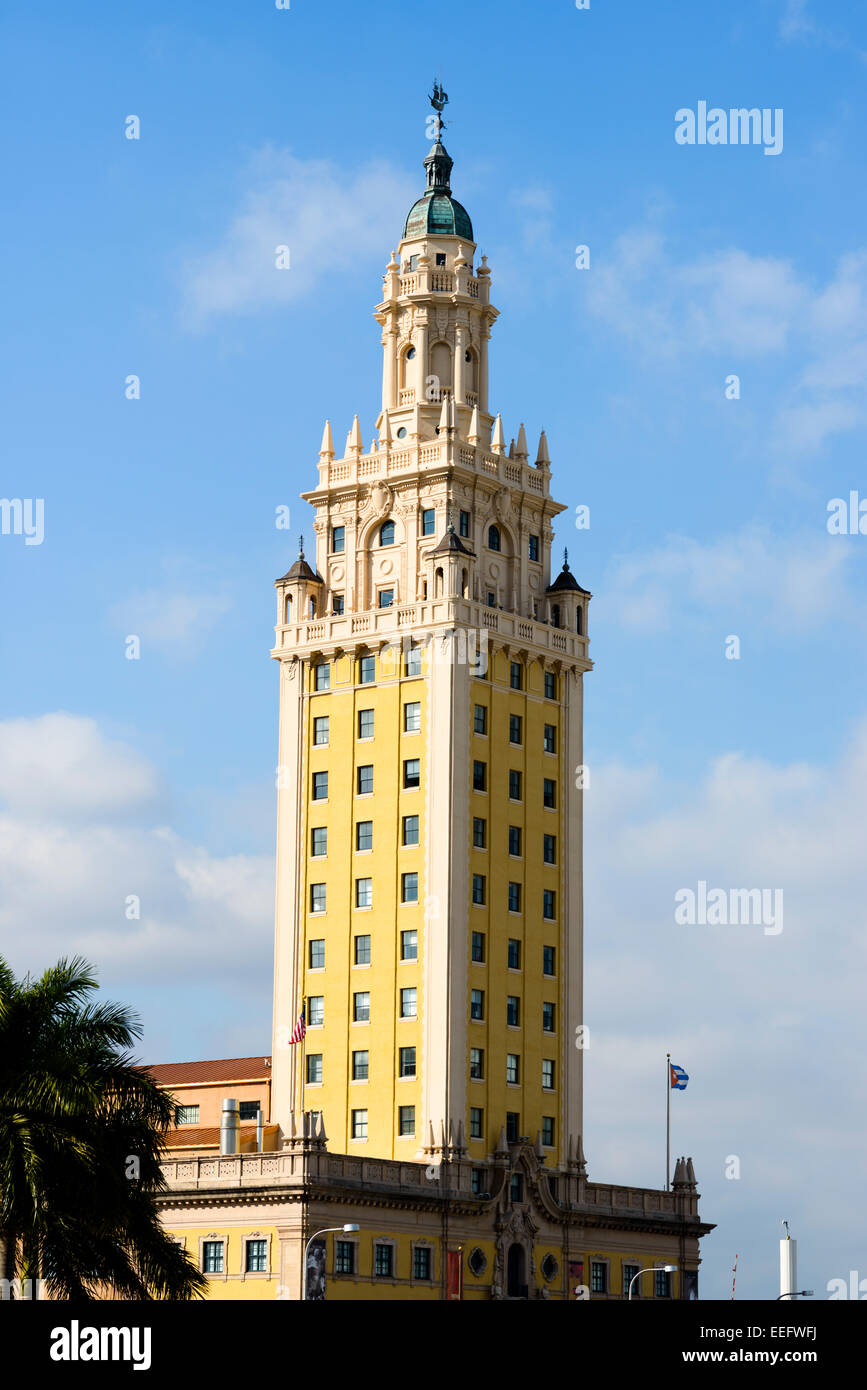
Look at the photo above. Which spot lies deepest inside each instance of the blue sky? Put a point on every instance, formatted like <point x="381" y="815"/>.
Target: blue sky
<point x="708" y="516"/>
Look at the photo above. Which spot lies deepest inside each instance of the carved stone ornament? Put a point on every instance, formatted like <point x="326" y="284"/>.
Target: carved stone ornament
<point x="502" y="503"/>
<point x="380" y="498"/>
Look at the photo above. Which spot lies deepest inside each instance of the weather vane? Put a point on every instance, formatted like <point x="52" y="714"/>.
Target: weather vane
<point x="439" y="100"/>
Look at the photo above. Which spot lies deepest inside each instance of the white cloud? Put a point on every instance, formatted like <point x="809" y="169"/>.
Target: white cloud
<point x="795" y="23"/>
<point x="329" y="221"/>
<point x="169" y="619"/>
<point x="61" y="764"/>
<point x="776" y="581"/>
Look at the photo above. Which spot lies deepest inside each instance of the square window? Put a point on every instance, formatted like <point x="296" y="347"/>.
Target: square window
<point x="248" y="1109"/>
<point x="550" y="685"/>
<point x="317" y="897"/>
<point x="383" y="1261"/>
<point x="514" y="900"/>
<point x="479" y="889"/>
<point x="533" y="548"/>
<point x="548" y="1131"/>
<point x="406" y="1120"/>
<point x="477" y="1064"/>
<point x="409" y="888"/>
<point x="408" y="1003"/>
<point x="314" y="1068"/>
<point x="513" y="1011"/>
<point x="411" y="774"/>
<point x="549" y="849"/>
<point x="515" y="841"/>
<point x="187" y="1115"/>
<point x="366" y="670"/>
<point x="364" y="892"/>
<point x="629" y="1273"/>
<point x="550" y="739"/>
<point x="549" y="792"/>
<point x="476" y="1122"/>
<point x="515" y="728"/>
<point x="548" y="1018"/>
<point x="410" y="830"/>
<point x="516" y="675"/>
<point x="316" y="1005"/>
<point x="421" y="1255"/>
<point x="514" y="785"/>
<point x="492" y="599"/>
<point x="361" y="1066"/>
<point x="212" y="1256"/>
<point x="359" y="1124"/>
<point x="478" y="949"/>
<point x="428" y="521"/>
<point x="412" y="718"/>
<point x="513" y="1068"/>
<point x="344" y="1257"/>
<point x="549" y="960"/>
<point x="365" y="723"/>
<point x="514" y="954"/>
<point x="320" y="786"/>
<point x="320" y="730"/>
<point x="337" y="604"/>
<point x="441" y="257"/>
<point x="598" y="1277"/>
<point x="477" y="1004"/>
<point x="478" y="1181"/>
<point x="409" y="945"/>
<point x="549" y="904"/>
<point x="661" y="1283"/>
<point x="362" y="950"/>
<point x="255" y="1256"/>
<point x="547" y="1074"/>
<point x="365" y="779"/>
<point x="480" y="776"/>
<point x="513" y="1124"/>
<point x="318" y="841"/>
<point x="464" y="524"/>
<point x="413" y="660"/>
<point x="386" y="598"/>
<point x="364" y="836"/>
<point x="480" y="719"/>
<point x="407" y="1061"/>
<point x="338" y="539"/>
<point x="317" y="954"/>
<point x="480" y="832"/>
<point x="322" y="676"/>
<point x="361" y="1007"/>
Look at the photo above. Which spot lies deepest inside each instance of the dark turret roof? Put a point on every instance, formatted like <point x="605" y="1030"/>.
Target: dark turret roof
<point x="301" y="570"/>
<point x="452" y="542"/>
<point x="437" y="212"/>
<point x="565" y="581"/>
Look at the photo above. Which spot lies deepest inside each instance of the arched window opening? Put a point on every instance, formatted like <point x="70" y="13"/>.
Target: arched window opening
<point x="555" y="615"/>
<point x="579" y="622"/>
<point x="438" y="584"/>
<point x="493" y="538"/>
<point x="288" y="608"/>
<point x="516" y="1282"/>
<point x="386" y="533"/>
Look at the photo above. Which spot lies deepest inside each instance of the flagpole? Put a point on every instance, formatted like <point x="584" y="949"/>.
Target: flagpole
<point x="667" y="1118"/>
<point x="303" y="1040"/>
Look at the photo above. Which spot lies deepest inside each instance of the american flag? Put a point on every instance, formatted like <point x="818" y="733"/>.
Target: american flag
<point x="299" y="1030"/>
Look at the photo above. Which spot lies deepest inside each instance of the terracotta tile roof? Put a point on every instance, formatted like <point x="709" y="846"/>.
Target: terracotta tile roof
<point x="204" y="1137"/>
<point x="224" y="1069"/>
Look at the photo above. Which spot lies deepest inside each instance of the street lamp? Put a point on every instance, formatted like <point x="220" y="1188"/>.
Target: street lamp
<point x="795" y="1293"/>
<point x="651" y="1269"/>
<point x="324" y="1232"/>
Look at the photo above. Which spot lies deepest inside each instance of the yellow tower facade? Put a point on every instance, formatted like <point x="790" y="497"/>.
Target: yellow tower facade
<point x="429" y="857"/>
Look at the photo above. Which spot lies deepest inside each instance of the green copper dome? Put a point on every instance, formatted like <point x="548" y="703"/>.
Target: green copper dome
<point x="438" y="212"/>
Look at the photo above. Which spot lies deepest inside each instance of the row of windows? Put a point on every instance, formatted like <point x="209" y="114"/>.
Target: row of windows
<point x="599" y="1280"/>
<point x="366" y="672"/>
<point x="361" y="1065"/>
<point x="362" y="951"/>
<point x="255" y="1256"/>
<point x="365" y="723"/>
<point x="513" y="1011"/>
<point x="364" y="779"/>
<point x="408" y="1006"/>
<point x="516" y="784"/>
<point x="383" y="1260"/>
<point x="478" y="949"/>
<point x="480" y="897"/>
<point x="364" y="893"/>
<point x="189" y="1114"/>
<point x="405" y="1122"/>
<point x="364" y="836"/>
<point x="386" y="535"/>
<point x="516" y="728"/>
<point x="480" y="841"/>
<point x="513" y="1068"/>
<point x="513" y="1126"/>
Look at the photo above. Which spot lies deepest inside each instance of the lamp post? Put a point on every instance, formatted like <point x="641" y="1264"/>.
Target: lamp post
<point x="795" y="1293"/>
<point x="651" y="1269"/>
<point x="324" y="1232"/>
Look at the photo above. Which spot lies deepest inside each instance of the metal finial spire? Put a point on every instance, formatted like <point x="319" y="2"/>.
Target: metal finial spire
<point x="565" y="558"/>
<point x="439" y="100"/>
<point x="301" y="547"/>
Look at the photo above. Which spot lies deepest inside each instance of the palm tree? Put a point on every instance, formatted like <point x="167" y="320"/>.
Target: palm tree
<point x="81" y="1132"/>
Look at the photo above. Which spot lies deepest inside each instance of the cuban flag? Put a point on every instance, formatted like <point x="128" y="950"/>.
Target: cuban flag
<point x="679" y="1077"/>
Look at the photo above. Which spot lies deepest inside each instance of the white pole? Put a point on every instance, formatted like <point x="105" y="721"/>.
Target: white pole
<point x="667" y="1118"/>
<point x="788" y="1267"/>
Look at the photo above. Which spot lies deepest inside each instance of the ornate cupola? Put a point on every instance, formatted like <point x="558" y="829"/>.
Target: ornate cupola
<point x="299" y="591"/>
<point x="451" y="566"/>
<point x="567" y="601"/>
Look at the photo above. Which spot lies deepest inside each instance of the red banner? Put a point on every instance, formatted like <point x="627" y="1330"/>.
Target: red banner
<point x="454" y="1275"/>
